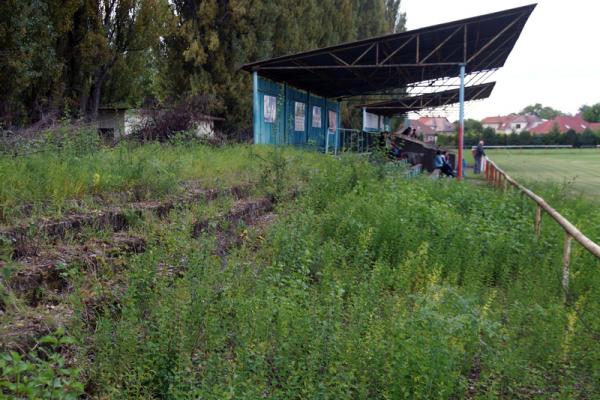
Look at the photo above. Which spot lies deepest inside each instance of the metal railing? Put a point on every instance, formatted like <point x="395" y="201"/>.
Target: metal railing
<point x="353" y="140"/>
<point x="497" y="177"/>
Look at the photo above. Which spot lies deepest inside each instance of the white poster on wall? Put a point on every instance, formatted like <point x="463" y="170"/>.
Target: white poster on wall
<point x="299" y="116"/>
<point x="316" y="117"/>
<point x="270" y="108"/>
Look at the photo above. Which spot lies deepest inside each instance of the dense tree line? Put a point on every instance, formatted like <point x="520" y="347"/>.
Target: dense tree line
<point x="544" y="112"/>
<point x="588" y="113"/>
<point x="68" y="57"/>
<point x="475" y="132"/>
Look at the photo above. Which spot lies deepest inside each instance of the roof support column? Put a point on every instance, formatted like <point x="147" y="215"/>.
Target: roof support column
<point x="255" y="107"/>
<point x="364" y="124"/>
<point x="461" y="122"/>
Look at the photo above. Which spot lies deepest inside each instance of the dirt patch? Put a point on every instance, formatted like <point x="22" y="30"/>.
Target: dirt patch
<point x="46" y="272"/>
<point x="22" y="237"/>
<point x="242" y="211"/>
<point x="21" y="330"/>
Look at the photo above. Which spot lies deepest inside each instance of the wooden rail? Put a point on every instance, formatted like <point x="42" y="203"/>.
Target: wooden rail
<point x="497" y="177"/>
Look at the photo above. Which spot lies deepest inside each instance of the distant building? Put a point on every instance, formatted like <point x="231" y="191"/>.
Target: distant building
<point x="512" y="123"/>
<point x="111" y="121"/>
<point x="440" y="125"/>
<point x="564" y="123"/>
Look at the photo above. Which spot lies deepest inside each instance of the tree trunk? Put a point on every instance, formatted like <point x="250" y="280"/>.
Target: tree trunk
<point x="93" y="101"/>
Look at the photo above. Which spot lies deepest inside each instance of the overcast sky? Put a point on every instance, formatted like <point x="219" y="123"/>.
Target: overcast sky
<point x="556" y="60"/>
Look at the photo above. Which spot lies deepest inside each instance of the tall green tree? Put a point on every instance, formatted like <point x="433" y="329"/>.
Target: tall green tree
<point x="61" y="54"/>
<point x="541" y="111"/>
<point x="590" y="113"/>
<point x="119" y="31"/>
<point x="31" y="46"/>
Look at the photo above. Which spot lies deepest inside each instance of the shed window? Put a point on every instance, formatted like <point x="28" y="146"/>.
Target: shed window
<point x="270" y="108"/>
<point x="332" y="125"/>
<point x="316" y="117"/>
<point x="299" y="116"/>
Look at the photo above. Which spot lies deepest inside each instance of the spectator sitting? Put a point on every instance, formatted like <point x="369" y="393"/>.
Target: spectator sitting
<point x="438" y="162"/>
<point x="447" y="169"/>
<point x="395" y="151"/>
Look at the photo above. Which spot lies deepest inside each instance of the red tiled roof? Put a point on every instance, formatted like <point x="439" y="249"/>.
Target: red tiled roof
<point x="493" y="120"/>
<point x="564" y="123"/>
<point x="595" y="126"/>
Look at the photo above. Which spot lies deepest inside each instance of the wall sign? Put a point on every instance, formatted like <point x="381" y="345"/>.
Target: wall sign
<point x="299" y="116"/>
<point x="270" y="108"/>
<point x="316" y="117"/>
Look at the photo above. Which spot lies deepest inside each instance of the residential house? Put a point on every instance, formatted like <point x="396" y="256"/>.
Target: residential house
<point x="493" y="122"/>
<point x="512" y="123"/>
<point x="565" y="123"/>
<point x="428" y="133"/>
<point x="440" y="125"/>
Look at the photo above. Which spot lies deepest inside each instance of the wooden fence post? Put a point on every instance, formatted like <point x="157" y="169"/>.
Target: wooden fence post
<point x="566" y="260"/>
<point x="487" y="169"/>
<point x="538" y="221"/>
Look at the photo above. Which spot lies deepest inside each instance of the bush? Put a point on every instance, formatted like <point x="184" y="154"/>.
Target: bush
<point x="41" y="374"/>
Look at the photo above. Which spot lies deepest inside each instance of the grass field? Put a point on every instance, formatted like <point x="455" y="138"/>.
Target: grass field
<point x="579" y="169"/>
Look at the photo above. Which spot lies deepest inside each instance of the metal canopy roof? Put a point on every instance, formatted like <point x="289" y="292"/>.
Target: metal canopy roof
<point x="428" y="100"/>
<point x="394" y="61"/>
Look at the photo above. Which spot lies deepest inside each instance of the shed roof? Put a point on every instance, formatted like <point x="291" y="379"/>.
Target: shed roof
<point x="394" y="61"/>
<point x="428" y="100"/>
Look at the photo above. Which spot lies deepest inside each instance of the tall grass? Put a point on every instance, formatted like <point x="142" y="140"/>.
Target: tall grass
<point x="70" y="178"/>
<point x="368" y="286"/>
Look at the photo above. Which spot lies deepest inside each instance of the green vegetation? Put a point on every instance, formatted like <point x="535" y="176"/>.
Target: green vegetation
<point x="82" y="175"/>
<point x="544" y="112"/>
<point x="577" y="169"/>
<point x="590" y="113"/>
<point x="367" y="285"/>
<point x="41" y="374"/>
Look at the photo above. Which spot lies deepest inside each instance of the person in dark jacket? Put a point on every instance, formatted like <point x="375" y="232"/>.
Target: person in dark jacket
<point x="478" y="154"/>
